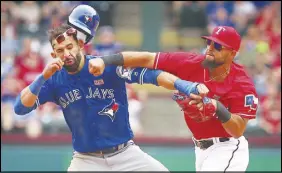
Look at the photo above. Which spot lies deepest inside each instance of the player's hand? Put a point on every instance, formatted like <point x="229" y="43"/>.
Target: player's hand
<point x="202" y="103"/>
<point x="96" y="66"/>
<point x="202" y="90"/>
<point x="199" y="92"/>
<point x="189" y="88"/>
<point x="51" y="68"/>
<point x="191" y="110"/>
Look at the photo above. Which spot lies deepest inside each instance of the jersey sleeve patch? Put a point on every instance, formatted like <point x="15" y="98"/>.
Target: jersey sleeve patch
<point x="124" y="73"/>
<point x="251" y="101"/>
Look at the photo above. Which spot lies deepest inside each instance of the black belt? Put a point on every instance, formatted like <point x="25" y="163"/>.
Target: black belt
<point x="110" y="150"/>
<point x="205" y="144"/>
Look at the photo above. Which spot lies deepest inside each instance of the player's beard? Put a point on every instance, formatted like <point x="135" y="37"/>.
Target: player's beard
<point x="75" y="65"/>
<point x="211" y="63"/>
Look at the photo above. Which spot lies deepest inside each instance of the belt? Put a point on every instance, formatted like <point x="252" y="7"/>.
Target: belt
<point x="206" y="143"/>
<point x="110" y="150"/>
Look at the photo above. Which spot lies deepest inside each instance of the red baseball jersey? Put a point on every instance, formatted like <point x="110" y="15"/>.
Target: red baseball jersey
<point x="237" y="93"/>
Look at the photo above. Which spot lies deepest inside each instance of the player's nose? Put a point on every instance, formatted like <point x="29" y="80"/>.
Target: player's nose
<point x="210" y="48"/>
<point x="67" y="53"/>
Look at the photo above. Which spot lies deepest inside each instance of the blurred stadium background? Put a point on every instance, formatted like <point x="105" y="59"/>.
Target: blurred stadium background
<point x="41" y="140"/>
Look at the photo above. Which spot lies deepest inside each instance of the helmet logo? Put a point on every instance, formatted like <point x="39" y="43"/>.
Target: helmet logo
<point x="219" y="30"/>
<point x="87" y="19"/>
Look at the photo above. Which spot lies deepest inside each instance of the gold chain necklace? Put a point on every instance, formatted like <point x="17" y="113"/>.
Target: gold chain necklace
<point x="226" y="72"/>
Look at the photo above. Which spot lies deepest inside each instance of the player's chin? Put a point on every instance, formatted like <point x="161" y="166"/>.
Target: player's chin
<point x="71" y="68"/>
<point x="207" y="63"/>
<point x="68" y="66"/>
<point x="210" y="63"/>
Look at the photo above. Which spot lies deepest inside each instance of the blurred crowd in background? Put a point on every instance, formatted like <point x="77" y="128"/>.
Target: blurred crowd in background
<point x="25" y="50"/>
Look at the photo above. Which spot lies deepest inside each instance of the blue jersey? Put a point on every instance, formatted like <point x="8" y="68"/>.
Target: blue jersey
<point x="95" y="108"/>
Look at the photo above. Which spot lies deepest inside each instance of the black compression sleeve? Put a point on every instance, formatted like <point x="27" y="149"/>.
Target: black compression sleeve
<point x="114" y="59"/>
<point x="222" y="113"/>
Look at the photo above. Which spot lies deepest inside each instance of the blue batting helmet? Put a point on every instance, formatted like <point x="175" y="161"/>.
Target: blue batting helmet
<point x="85" y="19"/>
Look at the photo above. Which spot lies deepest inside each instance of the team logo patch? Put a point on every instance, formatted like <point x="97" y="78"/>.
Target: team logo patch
<point x="99" y="82"/>
<point x="124" y="73"/>
<point x="88" y="19"/>
<point x="251" y="101"/>
<point x="110" y="110"/>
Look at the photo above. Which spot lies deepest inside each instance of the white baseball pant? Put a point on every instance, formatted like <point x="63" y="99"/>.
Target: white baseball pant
<point x="232" y="155"/>
<point x="129" y="158"/>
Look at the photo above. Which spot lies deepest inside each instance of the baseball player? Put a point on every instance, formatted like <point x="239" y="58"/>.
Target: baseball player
<point x="95" y="107"/>
<point x="219" y="120"/>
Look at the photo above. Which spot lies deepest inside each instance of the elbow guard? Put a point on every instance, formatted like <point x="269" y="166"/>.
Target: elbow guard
<point x="150" y="76"/>
<point x="19" y="108"/>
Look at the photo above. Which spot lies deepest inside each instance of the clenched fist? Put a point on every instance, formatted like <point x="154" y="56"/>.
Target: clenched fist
<point x="51" y="68"/>
<point x="96" y="66"/>
<point x="200" y="103"/>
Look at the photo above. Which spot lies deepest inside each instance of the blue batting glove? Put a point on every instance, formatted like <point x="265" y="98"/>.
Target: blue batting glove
<point x="186" y="87"/>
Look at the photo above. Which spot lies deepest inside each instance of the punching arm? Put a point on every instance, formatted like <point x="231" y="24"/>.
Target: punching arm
<point x="131" y="59"/>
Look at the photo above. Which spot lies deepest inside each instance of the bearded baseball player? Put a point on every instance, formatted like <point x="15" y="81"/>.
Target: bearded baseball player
<point x="219" y="120"/>
<point x="95" y="107"/>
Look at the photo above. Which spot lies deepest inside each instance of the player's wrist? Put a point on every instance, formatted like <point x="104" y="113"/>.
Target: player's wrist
<point x="185" y="87"/>
<point x="222" y="113"/>
<point x="214" y="103"/>
<point x="115" y="59"/>
<point x="36" y="85"/>
<point x="45" y="77"/>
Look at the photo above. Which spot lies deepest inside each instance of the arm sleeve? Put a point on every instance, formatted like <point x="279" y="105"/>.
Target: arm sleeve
<point x="245" y="105"/>
<point x="173" y="62"/>
<point x="138" y="75"/>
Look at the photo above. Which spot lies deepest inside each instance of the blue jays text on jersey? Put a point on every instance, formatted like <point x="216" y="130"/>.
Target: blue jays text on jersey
<point x="95" y="108"/>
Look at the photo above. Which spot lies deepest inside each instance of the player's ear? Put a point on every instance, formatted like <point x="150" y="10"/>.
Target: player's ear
<point x="53" y="54"/>
<point x="80" y="44"/>
<point x="233" y="53"/>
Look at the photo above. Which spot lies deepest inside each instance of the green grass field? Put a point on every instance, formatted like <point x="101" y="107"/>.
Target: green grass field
<point x="57" y="158"/>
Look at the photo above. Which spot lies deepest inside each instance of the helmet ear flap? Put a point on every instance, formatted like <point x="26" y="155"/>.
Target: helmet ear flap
<point x="81" y="36"/>
<point x="88" y="39"/>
